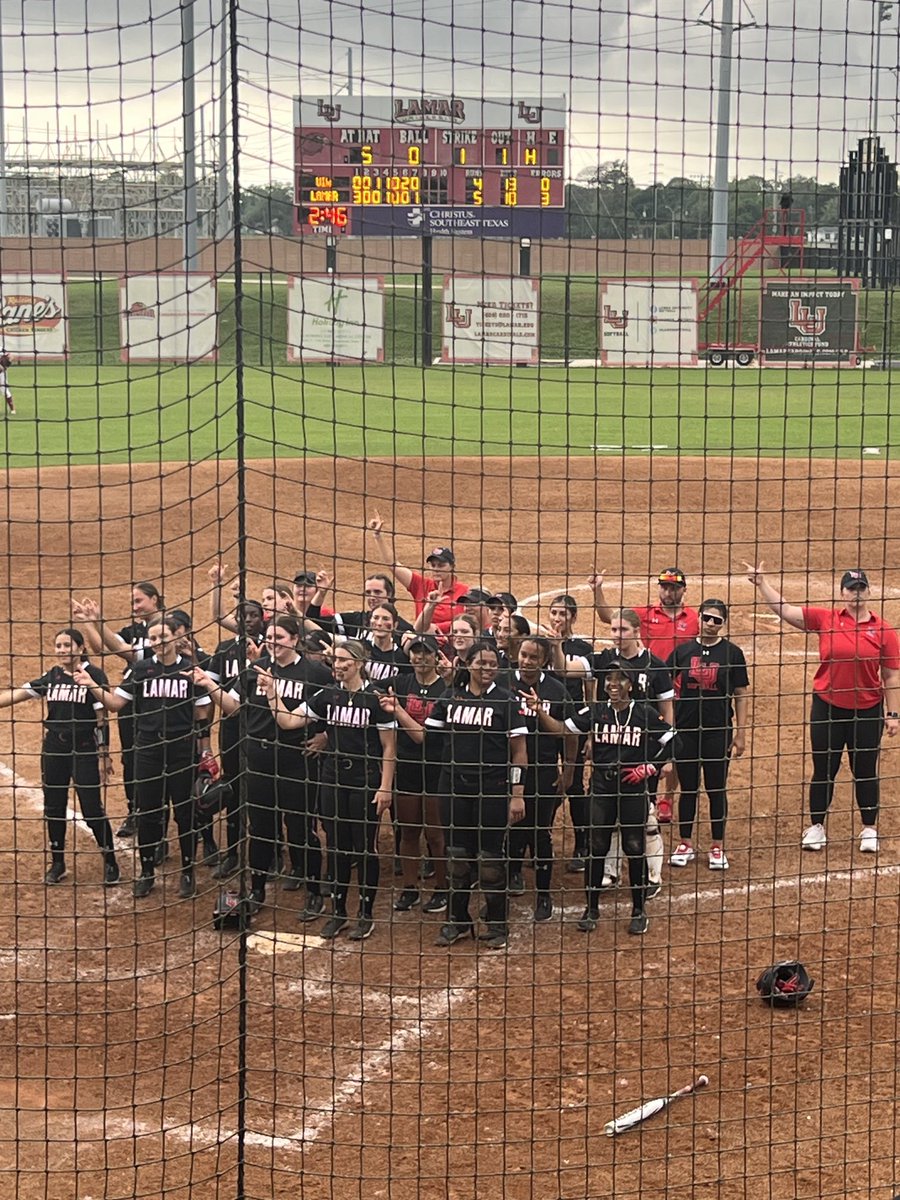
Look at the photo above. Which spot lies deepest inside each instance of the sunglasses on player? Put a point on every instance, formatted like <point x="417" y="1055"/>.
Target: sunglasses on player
<point x="712" y="618"/>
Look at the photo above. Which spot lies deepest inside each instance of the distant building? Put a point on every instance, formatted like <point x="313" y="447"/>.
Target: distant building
<point x="823" y="236"/>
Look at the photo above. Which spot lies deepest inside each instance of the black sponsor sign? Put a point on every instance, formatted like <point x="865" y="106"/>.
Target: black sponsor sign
<point x="803" y="322"/>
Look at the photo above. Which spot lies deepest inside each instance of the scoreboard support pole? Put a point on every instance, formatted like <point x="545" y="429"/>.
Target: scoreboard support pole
<point x="525" y="257"/>
<point x="427" y="311"/>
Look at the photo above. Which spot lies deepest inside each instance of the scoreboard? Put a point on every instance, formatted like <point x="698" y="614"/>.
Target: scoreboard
<point x="365" y="162"/>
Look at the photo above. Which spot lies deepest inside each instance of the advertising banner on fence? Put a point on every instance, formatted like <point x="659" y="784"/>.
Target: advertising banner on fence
<point x="335" y="318"/>
<point x="490" y="320"/>
<point x="168" y="317"/>
<point x="33" y="321"/>
<point x="806" y="321"/>
<point x="648" y="323"/>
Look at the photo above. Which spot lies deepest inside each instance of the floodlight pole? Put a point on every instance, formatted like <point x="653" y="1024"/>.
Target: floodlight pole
<point x="727" y="27"/>
<point x="222" y="152"/>
<point x="4" y="221"/>
<point x="189" y="135"/>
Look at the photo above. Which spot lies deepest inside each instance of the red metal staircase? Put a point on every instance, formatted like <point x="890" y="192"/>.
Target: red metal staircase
<point x="776" y="227"/>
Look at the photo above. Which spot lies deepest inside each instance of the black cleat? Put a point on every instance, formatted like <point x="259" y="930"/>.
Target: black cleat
<point x="653" y="889"/>
<point x="293" y="881"/>
<point x="210" y="852"/>
<point x="143" y="886"/>
<point x="640" y="923"/>
<point x="111" y="874"/>
<point x="427" y="868"/>
<point x="576" y="865"/>
<point x="407" y="899"/>
<point x="56" y="874"/>
<point x="363" y="928"/>
<point x="256" y="900"/>
<point x="437" y="903"/>
<point x="496" y="936"/>
<point x="543" y="910"/>
<point x="128" y="828"/>
<point x="516" y="884"/>
<point x="333" y="926"/>
<point x="186" y="885"/>
<point x="454" y="931"/>
<point x="314" y="905"/>
<point x="589" y="920"/>
<point x="226" y="866"/>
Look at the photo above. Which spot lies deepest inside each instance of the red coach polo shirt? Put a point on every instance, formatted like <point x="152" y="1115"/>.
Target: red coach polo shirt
<point x="661" y="634"/>
<point x="852" y="655"/>
<point x="419" y="587"/>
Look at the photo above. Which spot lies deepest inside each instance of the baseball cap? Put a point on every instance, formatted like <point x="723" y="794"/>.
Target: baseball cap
<point x="673" y="575"/>
<point x="442" y="554"/>
<point x="476" y="596"/>
<point x="854" y="579"/>
<point x="424" y="640"/>
<point x="504" y="600"/>
<point x="317" y="640"/>
<point x="305" y="579"/>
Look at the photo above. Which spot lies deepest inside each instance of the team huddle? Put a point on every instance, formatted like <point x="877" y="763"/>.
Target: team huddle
<point x="469" y="727"/>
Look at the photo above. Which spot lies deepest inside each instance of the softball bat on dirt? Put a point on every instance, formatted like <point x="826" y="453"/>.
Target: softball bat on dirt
<point x="637" y="1115"/>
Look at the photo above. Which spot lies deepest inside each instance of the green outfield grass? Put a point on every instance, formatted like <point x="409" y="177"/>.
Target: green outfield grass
<point x="79" y="415"/>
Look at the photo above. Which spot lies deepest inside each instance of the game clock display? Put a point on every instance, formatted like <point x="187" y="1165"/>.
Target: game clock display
<point x="428" y="152"/>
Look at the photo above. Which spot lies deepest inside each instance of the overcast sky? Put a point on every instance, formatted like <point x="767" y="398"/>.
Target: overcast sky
<point x="640" y="76"/>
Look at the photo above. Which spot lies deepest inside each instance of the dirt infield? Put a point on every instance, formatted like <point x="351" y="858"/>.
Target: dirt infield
<point x="401" y="1070"/>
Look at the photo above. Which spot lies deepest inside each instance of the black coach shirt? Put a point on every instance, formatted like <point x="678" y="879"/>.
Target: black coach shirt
<point x="637" y="734"/>
<point x="71" y="711"/>
<point x="162" y="698"/>
<point x="353" y="721"/>
<point x="295" y="683"/>
<point x="650" y="675"/>
<point x="478" y="729"/>
<point x="706" y="677"/>
<point x="543" y="748"/>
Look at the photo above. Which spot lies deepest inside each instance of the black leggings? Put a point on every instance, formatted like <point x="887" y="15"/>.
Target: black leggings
<point x="533" y="833"/>
<point x="230" y="755"/>
<point x="579" y="802"/>
<point x="162" y="773"/>
<point x="831" y="730"/>
<point x="630" y="809"/>
<point x="351" y="830"/>
<point x="60" y="765"/>
<point x="703" y="751"/>
<point x="476" y="826"/>
<point x="279" y="787"/>
<point x="125" y="724"/>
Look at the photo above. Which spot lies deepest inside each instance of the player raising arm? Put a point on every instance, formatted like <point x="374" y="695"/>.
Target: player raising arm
<point x="441" y="564"/>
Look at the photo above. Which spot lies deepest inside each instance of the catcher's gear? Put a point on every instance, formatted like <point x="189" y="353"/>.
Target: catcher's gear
<point x="210" y="796"/>
<point x="639" y="773"/>
<point x="784" y="984"/>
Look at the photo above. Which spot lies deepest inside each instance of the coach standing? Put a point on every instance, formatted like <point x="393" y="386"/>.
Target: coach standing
<point x="859" y="669"/>
<point x="441" y="563"/>
<point x="663" y="627"/>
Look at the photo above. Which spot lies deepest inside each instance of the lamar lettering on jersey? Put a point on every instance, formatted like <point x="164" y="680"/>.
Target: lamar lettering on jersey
<point x="67" y="693"/>
<point x="346" y="714"/>
<point x="167" y="686"/>
<point x="287" y="689"/>
<point x="618" y="735"/>
<point x="470" y="714"/>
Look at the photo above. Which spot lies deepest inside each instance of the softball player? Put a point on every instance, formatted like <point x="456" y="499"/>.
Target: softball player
<point x="483" y="785"/>
<point x="75" y="750"/>
<point x="378" y="589"/>
<point x="710" y="673"/>
<point x="387" y="659"/>
<point x="168" y="707"/>
<point x="5" y="364"/>
<point x="358" y="779"/>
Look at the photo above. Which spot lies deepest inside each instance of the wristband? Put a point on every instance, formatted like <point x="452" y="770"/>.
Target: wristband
<point x="516" y="776"/>
<point x="101" y="736"/>
<point x="892" y="716"/>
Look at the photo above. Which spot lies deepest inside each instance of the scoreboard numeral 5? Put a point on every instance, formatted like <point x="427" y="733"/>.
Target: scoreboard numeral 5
<point x="365" y="156"/>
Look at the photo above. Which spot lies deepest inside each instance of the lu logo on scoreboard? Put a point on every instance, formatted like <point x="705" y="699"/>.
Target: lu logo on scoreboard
<point x="801" y="318"/>
<point x="328" y="112"/>
<point x="530" y="113"/>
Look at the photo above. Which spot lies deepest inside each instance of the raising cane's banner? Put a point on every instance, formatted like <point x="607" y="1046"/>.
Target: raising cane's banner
<point x="33" y="316"/>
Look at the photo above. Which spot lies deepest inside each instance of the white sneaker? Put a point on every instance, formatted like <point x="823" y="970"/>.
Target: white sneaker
<point x="682" y="855"/>
<point x="717" y="859"/>
<point x="814" y="838"/>
<point x="868" y="840"/>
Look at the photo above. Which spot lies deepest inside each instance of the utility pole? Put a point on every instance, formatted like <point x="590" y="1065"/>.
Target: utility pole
<point x="727" y="27"/>
<point x="189" y="136"/>
<point x="222" y="152"/>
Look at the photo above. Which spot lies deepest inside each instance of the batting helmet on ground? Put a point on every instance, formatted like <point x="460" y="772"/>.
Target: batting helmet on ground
<point x="209" y="797"/>
<point x="784" y="984"/>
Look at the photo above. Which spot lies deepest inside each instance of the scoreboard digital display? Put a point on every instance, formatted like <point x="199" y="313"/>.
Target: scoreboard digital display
<point x="363" y="153"/>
